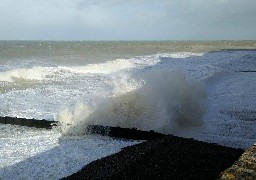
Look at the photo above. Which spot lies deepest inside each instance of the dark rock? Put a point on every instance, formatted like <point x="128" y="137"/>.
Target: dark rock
<point x="27" y="122"/>
<point x="125" y="133"/>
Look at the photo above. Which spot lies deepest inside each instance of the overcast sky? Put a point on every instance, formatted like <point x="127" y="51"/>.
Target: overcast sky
<point x="127" y="19"/>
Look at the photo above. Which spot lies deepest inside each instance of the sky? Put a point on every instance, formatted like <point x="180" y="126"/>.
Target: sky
<point x="127" y="20"/>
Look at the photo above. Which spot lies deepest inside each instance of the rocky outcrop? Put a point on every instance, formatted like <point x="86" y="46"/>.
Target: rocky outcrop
<point x="244" y="168"/>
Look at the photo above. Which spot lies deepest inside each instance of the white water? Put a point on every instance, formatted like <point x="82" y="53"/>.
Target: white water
<point x="28" y="153"/>
<point x="203" y="96"/>
<point x="166" y="102"/>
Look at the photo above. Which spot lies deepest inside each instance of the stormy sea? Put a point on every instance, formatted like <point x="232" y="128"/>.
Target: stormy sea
<point x="202" y="90"/>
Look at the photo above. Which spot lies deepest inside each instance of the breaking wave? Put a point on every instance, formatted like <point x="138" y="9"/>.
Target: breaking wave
<point x="166" y="101"/>
<point x="34" y="73"/>
<point x="38" y="73"/>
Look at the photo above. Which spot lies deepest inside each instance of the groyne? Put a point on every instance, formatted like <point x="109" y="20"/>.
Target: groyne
<point x="28" y="122"/>
<point x="162" y="156"/>
<point x="116" y="132"/>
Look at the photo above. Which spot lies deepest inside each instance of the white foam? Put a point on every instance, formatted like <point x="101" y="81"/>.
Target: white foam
<point x="34" y="73"/>
<point x="166" y="102"/>
<point x="103" y="86"/>
<point x="148" y="92"/>
<point x="103" y="68"/>
<point x="28" y="153"/>
<point x="179" y="55"/>
<point x="39" y="73"/>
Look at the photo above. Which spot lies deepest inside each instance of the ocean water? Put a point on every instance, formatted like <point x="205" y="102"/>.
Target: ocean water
<point x="190" y="89"/>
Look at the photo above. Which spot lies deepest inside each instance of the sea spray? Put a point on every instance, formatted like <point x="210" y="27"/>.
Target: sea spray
<point x="166" y="101"/>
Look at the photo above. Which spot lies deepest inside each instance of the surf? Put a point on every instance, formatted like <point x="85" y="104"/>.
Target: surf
<point x="166" y="101"/>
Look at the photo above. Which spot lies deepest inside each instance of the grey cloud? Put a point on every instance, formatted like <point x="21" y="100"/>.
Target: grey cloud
<point x="124" y="20"/>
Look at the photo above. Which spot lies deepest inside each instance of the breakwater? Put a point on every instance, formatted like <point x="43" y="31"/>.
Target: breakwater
<point x="28" y="122"/>
<point x="116" y="132"/>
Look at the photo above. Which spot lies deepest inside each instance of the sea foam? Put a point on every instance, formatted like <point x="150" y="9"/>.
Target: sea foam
<point x="166" y="101"/>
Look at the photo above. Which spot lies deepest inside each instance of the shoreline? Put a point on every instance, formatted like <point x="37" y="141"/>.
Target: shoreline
<point x="160" y="157"/>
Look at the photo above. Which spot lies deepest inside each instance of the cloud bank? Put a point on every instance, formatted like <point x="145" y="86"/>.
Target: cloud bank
<point x="127" y="20"/>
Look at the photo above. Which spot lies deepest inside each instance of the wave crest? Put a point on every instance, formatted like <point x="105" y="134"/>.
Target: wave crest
<point x="166" y="102"/>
